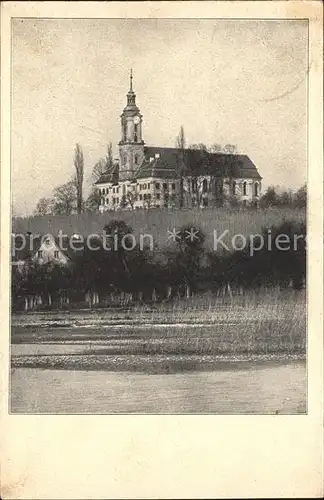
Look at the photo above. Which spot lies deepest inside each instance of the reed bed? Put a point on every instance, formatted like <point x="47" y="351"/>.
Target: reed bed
<point x="254" y="324"/>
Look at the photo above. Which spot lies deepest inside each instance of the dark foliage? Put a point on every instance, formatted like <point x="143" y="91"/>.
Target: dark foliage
<point x="114" y="265"/>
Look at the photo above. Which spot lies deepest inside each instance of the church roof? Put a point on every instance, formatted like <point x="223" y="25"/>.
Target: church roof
<point x="165" y="163"/>
<point x="164" y="167"/>
<point x="111" y="175"/>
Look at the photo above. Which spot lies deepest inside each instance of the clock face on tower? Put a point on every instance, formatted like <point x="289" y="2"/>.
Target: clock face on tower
<point x="137" y="120"/>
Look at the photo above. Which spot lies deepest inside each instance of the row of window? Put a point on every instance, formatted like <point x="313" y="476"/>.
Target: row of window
<point x="106" y="190"/>
<point x="194" y="187"/>
<point x="136" y="157"/>
<point x="115" y="190"/>
<point x="158" y="186"/>
<point x="140" y="197"/>
<point x="145" y="196"/>
<point x="40" y="254"/>
<point x="245" y="184"/>
<point x="145" y="186"/>
<point x="165" y="185"/>
<point x="136" y="131"/>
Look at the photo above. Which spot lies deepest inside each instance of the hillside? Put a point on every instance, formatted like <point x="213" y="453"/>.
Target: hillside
<point x="157" y="222"/>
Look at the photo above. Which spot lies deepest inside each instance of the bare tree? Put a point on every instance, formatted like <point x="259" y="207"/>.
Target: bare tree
<point x="128" y="200"/>
<point x="104" y="164"/>
<point x="148" y="201"/>
<point x="197" y="170"/>
<point x="79" y="175"/>
<point x="181" y="143"/>
<point x="215" y="148"/>
<point x="44" y="206"/>
<point x="230" y="149"/>
<point x="93" y="201"/>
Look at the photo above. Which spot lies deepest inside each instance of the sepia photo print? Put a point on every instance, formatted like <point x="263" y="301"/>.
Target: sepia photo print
<point x="159" y="197"/>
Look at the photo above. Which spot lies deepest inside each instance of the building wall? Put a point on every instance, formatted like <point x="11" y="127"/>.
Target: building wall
<point x="245" y="190"/>
<point x="49" y="251"/>
<point x="128" y="154"/>
<point x="157" y="192"/>
<point x="144" y="193"/>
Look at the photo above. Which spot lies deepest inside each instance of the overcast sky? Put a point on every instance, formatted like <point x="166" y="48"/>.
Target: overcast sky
<point x="225" y="81"/>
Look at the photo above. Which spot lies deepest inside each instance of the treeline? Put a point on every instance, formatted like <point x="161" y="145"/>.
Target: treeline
<point x="182" y="269"/>
<point x="290" y="198"/>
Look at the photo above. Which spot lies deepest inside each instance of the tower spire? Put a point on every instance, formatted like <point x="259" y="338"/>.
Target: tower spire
<point x="131" y="96"/>
<point x="131" y="81"/>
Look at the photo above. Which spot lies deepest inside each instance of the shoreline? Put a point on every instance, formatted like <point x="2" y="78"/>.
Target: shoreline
<point x="152" y="363"/>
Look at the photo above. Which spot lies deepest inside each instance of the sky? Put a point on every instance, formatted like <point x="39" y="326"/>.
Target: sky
<point x="242" y="82"/>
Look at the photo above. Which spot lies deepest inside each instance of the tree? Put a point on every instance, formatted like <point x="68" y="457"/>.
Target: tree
<point x="44" y="206"/>
<point x="104" y="164"/>
<point x="93" y="201"/>
<point x="128" y="200"/>
<point x="118" y="237"/>
<point x="180" y="143"/>
<point x="186" y="263"/>
<point x="89" y="276"/>
<point x="285" y="198"/>
<point x="300" y="198"/>
<point x="270" y="198"/>
<point x="215" y="148"/>
<point x="65" y="199"/>
<point x="197" y="186"/>
<point x="79" y="175"/>
<point x="230" y="149"/>
<point x="148" y="203"/>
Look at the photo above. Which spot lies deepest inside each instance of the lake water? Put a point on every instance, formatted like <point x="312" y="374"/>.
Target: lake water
<point x="264" y="389"/>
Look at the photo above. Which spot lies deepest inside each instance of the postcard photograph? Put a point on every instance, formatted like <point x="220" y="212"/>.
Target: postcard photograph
<point x="159" y="196"/>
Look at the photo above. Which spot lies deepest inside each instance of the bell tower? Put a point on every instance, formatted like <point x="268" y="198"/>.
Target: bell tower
<point x="131" y="145"/>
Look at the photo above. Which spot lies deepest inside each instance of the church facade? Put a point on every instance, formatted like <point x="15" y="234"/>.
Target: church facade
<point x="156" y="177"/>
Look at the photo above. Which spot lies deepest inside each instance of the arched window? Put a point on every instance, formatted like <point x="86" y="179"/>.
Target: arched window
<point x="205" y="186"/>
<point x="125" y="130"/>
<point x="99" y="191"/>
<point x="244" y="188"/>
<point x="219" y="187"/>
<point x="256" y="189"/>
<point x="234" y="188"/>
<point x="193" y="185"/>
<point x="135" y="132"/>
<point x="136" y="159"/>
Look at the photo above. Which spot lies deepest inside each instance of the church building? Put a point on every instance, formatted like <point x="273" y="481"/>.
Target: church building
<point x="154" y="177"/>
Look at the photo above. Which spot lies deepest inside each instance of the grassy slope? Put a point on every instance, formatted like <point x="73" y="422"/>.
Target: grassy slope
<point x="157" y="222"/>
